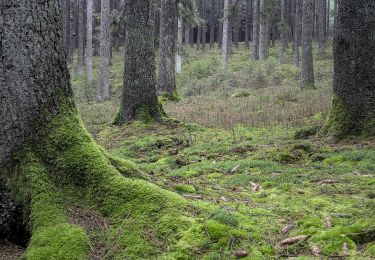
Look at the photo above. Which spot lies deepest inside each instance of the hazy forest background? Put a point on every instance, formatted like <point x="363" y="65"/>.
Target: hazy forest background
<point x="234" y="106"/>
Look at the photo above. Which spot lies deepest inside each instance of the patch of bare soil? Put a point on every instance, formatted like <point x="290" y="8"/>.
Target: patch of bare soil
<point x="10" y="251"/>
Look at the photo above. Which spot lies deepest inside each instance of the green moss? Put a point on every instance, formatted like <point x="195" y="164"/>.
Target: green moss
<point x="174" y="96"/>
<point x="185" y="188"/>
<point x="216" y="230"/>
<point x="224" y="217"/>
<point x="371" y="251"/>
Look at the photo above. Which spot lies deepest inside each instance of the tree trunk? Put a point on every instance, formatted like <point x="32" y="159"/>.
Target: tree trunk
<point x="105" y="46"/>
<point x="81" y="38"/>
<point x="52" y="164"/>
<point x="236" y="25"/>
<point x="248" y="22"/>
<point x="139" y="100"/>
<point x="353" y="111"/>
<point x="179" y="44"/>
<point x="256" y="21"/>
<point x="284" y="30"/>
<point x="212" y="24"/>
<point x="264" y="30"/>
<point x="89" y="50"/>
<point x="307" y="67"/>
<point x="225" y="40"/>
<point x="220" y="27"/>
<point x="72" y="35"/>
<point x="187" y="35"/>
<point x="167" y="50"/>
<point x="204" y="25"/>
<point x="322" y="27"/>
<point x="297" y="32"/>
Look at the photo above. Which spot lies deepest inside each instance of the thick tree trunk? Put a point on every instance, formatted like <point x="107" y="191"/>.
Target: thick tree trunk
<point x="225" y="39"/>
<point x="50" y="161"/>
<point x="256" y="21"/>
<point x="81" y="38"/>
<point x="353" y="111"/>
<point x="167" y="50"/>
<point x="264" y="33"/>
<point x="322" y="27"/>
<point x="139" y="100"/>
<point x="89" y="50"/>
<point x="105" y="49"/>
<point x="307" y="67"/>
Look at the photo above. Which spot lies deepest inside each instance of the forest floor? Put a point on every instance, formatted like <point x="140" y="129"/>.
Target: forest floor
<point x="240" y="148"/>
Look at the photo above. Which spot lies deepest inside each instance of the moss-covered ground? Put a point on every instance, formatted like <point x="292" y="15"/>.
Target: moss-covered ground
<point x="243" y="189"/>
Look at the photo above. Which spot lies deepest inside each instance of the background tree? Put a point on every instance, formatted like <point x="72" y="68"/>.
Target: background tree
<point x="139" y="100"/>
<point x="297" y="31"/>
<point x="322" y="5"/>
<point x="256" y="21"/>
<point x="81" y="37"/>
<point x="284" y="31"/>
<point x="89" y="50"/>
<point x="307" y="67"/>
<point x="353" y="111"/>
<point x="167" y="50"/>
<point x="105" y="49"/>
<point x="264" y="26"/>
<point x="225" y="39"/>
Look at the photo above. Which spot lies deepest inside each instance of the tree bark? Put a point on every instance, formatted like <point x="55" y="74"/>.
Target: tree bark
<point x="284" y="29"/>
<point x="225" y="39"/>
<point x="179" y="43"/>
<point x="307" y="67"/>
<point x="167" y="50"/>
<point x="220" y="26"/>
<point x="89" y="50"/>
<point x="204" y="25"/>
<point x="297" y="32"/>
<point x="264" y="33"/>
<point x="322" y="27"/>
<point x="256" y="21"/>
<point x="105" y="49"/>
<point x="353" y="111"/>
<point x="236" y="25"/>
<point x="81" y="38"/>
<point x="212" y="24"/>
<point x="139" y="100"/>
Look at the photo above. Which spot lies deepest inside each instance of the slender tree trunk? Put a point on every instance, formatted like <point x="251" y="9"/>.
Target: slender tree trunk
<point x="89" y="47"/>
<point x="187" y="34"/>
<point x="220" y="27"/>
<point x="179" y="43"/>
<point x="353" y="111"/>
<point x="297" y="32"/>
<point x="264" y="31"/>
<point x="284" y="29"/>
<point x="307" y="68"/>
<point x="105" y="46"/>
<point x="167" y="50"/>
<point x="322" y="27"/>
<point x="139" y="99"/>
<point x="236" y="25"/>
<point x="72" y="35"/>
<point x="204" y="25"/>
<point x="248" y="22"/>
<point x="328" y="18"/>
<point x="191" y="37"/>
<point x="81" y="38"/>
<point x="225" y="40"/>
<point x="256" y="21"/>
<point x="212" y="24"/>
<point x="68" y="28"/>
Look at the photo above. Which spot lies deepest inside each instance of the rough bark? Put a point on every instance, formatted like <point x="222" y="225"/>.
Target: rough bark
<point x="26" y="102"/>
<point x="322" y="26"/>
<point x="225" y="39"/>
<point x="256" y="21"/>
<point x="81" y="38"/>
<point x="248" y="23"/>
<point x="307" y="67"/>
<point x="105" y="51"/>
<point x="167" y="50"/>
<point x="353" y="111"/>
<point x="139" y="100"/>
<point x="72" y="35"/>
<point x="89" y="50"/>
<point x="264" y="27"/>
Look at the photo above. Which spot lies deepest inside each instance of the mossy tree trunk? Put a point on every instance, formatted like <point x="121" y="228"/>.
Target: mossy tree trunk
<point x="353" y="111"/>
<point x="139" y="99"/>
<point x="167" y="49"/>
<point x="50" y="162"/>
